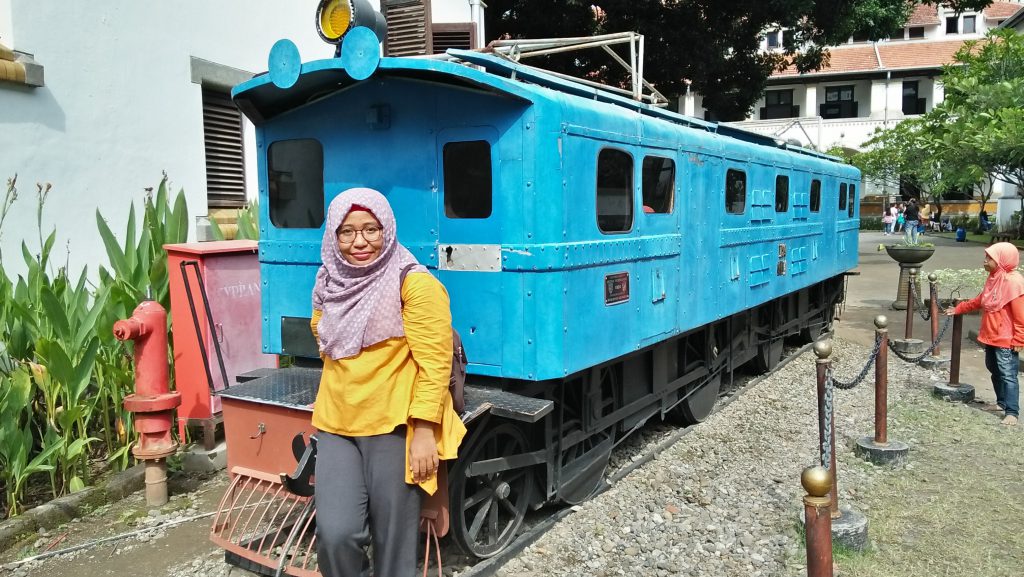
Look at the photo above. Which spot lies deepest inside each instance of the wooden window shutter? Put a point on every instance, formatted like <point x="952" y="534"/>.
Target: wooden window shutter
<point x="461" y="35"/>
<point x="222" y="136"/>
<point x="408" y="27"/>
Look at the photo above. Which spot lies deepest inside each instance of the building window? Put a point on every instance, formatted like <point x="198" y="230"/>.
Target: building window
<point x="735" y="191"/>
<point x="775" y="39"/>
<point x="952" y="24"/>
<point x="912" y="102"/>
<point x="467" y="179"/>
<point x="614" y="191"/>
<point x="969" y="26"/>
<point x="842" y="197"/>
<point x="409" y="28"/>
<point x="815" y="195"/>
<point x="460" y="36"/>
<point x="915" y="32"/>
<point x="779" y="104"/>
<point x="852" y="203"/>
<point x="781" y="193"/>
<point x="295" y="178"/>
<point x="839" y="102"/>
<point x="222" y="139"/>
<point x="658" y="182"/>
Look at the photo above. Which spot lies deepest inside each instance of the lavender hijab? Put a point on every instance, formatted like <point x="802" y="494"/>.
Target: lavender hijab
<point x="362" y="305"/>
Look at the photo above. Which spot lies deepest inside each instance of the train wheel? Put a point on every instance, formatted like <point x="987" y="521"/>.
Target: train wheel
<point x="769" y="355"/>
<point x="583" y="467"/>
<point x="696" y="407"/>
<point x="487" y="510"/>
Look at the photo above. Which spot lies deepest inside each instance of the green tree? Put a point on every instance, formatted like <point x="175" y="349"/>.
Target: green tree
<point x="711" y="47"/>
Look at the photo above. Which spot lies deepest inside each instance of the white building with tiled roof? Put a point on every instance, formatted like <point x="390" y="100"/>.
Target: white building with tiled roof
<point x="867" y="85"/>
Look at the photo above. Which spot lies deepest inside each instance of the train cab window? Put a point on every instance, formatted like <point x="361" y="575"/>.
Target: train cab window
<point x="851" y="203"/>
<point x="815" y="195"/>
<point x="467" y="179"/>
<point x="842" y="197"/>
<point x="735" y="191"/>
<point x="614" y="191"/>
<point x="295" y="183"/>
<point x="781" y="193"/>
<point x="658" y="184"/>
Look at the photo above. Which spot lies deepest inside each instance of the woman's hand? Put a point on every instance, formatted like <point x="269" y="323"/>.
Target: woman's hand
<point x="951" y="311"/>
<point x="423" y="461"/>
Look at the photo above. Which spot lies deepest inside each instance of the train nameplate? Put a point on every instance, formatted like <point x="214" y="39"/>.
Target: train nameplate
<point x="616" y="288"/>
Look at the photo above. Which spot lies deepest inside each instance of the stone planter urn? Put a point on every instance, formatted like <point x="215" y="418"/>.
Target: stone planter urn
<point x="909" y="257"/>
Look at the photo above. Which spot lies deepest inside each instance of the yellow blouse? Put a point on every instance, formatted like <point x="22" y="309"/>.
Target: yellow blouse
<point x="390" y="383"/>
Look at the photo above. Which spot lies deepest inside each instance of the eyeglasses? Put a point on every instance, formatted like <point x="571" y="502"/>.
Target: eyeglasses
<point x="370" y="234"/>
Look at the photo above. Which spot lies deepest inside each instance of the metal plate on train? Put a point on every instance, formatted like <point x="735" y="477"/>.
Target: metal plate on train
<point x="296" y="388"/>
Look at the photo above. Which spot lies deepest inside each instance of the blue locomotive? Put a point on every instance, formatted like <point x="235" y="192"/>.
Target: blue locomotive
<point x="608" y="261"/>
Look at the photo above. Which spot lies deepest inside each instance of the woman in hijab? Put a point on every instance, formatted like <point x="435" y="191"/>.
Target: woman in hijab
<point x="383" y="410"/>
<point x="1002" y="324"/>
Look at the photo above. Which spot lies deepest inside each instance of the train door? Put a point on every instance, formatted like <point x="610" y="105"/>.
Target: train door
<point x="658" y="230"/>
<point x="469" y="239"/>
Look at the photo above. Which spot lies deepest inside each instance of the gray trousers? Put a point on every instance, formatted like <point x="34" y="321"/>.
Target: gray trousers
<point x="361" y="491"/>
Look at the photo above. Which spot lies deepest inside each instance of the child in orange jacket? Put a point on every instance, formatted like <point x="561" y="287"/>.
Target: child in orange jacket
<point x="1002" y="324"/>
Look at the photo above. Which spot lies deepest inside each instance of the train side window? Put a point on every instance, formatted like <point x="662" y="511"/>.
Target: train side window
<point x="842" y="197"/>
<point x="467" y="179"/>
<point x="735" y="191"/>
<point x="658" y="184"/>
<point x="851" y="203"/>
<point x="781" y="193"/>
<point x="815" y="195"/>
<point x="295" y="182"/>
<point x="614" y="191"/>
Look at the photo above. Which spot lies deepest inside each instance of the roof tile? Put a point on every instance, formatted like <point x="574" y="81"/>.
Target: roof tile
<point x="923" y="14"/>
<point x="861" y="58"/>
<point x="1001" y="10"/>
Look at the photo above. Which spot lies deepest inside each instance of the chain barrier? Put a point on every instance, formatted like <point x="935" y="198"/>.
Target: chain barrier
<point x="928" y="351"/>
<point x="830" y="376"/>
<point x="922" y="310"/>
<point x="826" y="441"/>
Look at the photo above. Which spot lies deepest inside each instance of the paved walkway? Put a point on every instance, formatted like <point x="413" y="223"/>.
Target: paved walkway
<point x="872" y="292"/>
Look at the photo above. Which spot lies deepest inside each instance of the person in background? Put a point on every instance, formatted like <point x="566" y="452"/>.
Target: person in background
<point x="384" y="412"/>
<point x="887" y="221"/>
<point x="1002" y="325"/>
<point x="925" y="215"/>
<point x="898" y="227"/>
<point x="911" y="218"/>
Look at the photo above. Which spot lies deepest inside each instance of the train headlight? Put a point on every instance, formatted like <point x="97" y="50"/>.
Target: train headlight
<point x="334" y="18"/>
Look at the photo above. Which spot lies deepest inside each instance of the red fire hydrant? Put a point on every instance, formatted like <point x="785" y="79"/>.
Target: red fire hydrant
<point x="152" y="404"/>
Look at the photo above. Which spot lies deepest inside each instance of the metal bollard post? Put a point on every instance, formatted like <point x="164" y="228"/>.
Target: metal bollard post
<point x="955" y="390"/>
<point x="933" y="293"/>
<point x="911" y="287"/>
<point x="823" y="349"/>
<point x="954" y="362"/>
<point x="882" y="380"/>
<point x="817" y="521"/>
<point x="880" y="450"/>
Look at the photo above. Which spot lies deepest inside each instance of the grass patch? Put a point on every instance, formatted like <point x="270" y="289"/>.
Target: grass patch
<point x="957" y="507"/>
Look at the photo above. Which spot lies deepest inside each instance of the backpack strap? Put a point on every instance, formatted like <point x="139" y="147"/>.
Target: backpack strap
<point x="401" y="278"/>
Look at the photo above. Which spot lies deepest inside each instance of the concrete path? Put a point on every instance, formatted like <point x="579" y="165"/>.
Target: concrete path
<point x="872" y="292"/>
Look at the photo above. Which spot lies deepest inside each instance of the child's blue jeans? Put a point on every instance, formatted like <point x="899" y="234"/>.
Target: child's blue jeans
<point x="1003" y="364"/>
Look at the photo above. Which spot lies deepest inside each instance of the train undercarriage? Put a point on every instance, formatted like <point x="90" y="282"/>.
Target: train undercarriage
<point x="529" y="443"/>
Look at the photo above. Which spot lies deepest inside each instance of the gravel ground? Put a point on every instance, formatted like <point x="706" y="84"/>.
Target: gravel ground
<point x="724" y="500"/>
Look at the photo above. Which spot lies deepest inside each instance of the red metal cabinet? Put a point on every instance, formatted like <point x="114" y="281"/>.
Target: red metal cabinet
<point x="231" y="278"/>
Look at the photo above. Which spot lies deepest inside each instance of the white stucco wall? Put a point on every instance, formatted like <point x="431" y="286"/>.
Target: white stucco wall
<point x="6" y="32"/>
<point x="119" y="105"/>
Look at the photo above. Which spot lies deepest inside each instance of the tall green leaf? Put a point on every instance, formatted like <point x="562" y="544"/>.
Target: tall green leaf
<point x="117" y="259"/>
